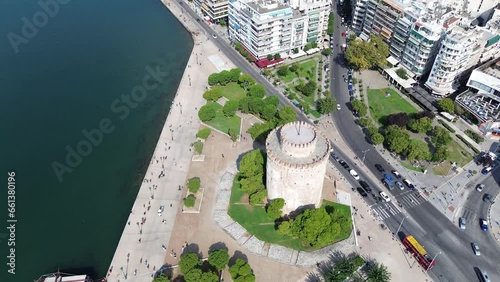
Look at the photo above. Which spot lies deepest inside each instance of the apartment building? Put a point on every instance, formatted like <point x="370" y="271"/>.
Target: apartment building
<point x="214" y="9"/>
<point x="460" y="50"/>
<point x="274" y="26"/>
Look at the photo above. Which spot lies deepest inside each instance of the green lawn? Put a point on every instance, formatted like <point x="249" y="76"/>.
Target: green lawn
<point x="307" y="69"/>
<point x="410" y="167"/>
<point x="380" y="105"/>
<point x="255" y="220"/>
<point x="222" y="122"/>
<point x="456" y="154"/>
<point x="232" y="91"/>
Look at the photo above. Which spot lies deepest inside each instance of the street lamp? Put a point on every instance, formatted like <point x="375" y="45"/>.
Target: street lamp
<point x="433" y="260"/>
<point x="401" y="224"/>
<point x="124" y="275"/>
<point x="364" y="154"/>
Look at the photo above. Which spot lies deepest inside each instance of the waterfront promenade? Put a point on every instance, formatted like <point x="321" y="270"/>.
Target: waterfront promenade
<point x="140" y="251"/>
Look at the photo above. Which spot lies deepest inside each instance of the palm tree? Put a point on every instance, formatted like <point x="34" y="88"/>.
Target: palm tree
<point x="378" y="273"/>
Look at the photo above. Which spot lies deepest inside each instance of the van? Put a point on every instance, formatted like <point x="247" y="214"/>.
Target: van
<point x="388" y="184"/>
<point x="409" y="184"/>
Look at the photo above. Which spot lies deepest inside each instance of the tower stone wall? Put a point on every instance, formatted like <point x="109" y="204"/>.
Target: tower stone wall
<point x="297" y="155"/>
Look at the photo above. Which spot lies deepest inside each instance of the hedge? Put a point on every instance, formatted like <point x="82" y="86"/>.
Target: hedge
<point x="446" y="126"/>
<point x="468" y="144"/>
<point x="204" y="133"/>
<point x="189" y="201"/>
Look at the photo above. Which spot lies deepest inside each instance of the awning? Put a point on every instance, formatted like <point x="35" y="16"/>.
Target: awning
<point x="393" y="61"/>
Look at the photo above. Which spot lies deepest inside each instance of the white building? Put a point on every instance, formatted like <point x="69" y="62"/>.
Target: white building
<point x="273" y="26"/>
<point x="214" y="9"/>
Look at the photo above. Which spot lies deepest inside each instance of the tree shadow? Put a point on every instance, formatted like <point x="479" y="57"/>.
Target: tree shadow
<point x="237" y="255"/>
<point x="166" y="269"/>
<point x="193" y="248"/>
<point x="218" y="246"/>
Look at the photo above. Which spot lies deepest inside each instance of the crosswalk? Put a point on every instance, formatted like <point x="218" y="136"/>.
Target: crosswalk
<point x="406" y="201"/>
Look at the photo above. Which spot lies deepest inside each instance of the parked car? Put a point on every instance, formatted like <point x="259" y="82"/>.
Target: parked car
<point x="361" y="192"/>
<point x="365" y="186"/>
<point x="484" y="224"/>
<point x="379" y="168"/>
<point x="389" y="178"/>
<point x="484" y="276"/>
<point x="486" y="170"/>
<point x="384" y="196"/>
<point x="214" y="35"/>
<point x="409" y="184"/>
<point x="400" y="185"/>
<point x="388" y="184"/>
<point x="338" y="107"/>
<point x="462" y="223"/>
<point x="487" y="197"/>
<point x="480" y="187"/>
<point x="396" y="173"/>
<point x="354" y="174"/>
<point x="475" y="248"/>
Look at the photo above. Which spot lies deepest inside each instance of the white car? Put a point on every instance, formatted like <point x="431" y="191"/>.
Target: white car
<point x="338" y="107"/>
<point x="160" y="210"/>
<point x="385" y="197"/>
<point x="480" y="187"/>
<point x="354" y="174"/>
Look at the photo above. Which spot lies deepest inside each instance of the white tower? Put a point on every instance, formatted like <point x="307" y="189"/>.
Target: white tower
<point x="297" y="154"/>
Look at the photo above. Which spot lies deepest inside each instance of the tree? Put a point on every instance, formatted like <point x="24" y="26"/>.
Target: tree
<point x="367" y="54"/>
<point x="277" y="56"/>
<point x="206" y="113"/>
<point x="188" y="262"/>
<point x="306" y="89"/>
<point x="194" y="185"/>
<point x="269" y="111"/>
<point x="232" y="134"/>
<point x="259" y="196"/>
<point x="326" y="105"/>
<point x="327" y="51"/>
<point x="283" y="71"/>
<point x="269" y="57"/>
<point x="204" y="133"/>
<point x="234" y="74"/>
<point x="218" y="259"/>
<point x="420" y="125"/>
<point x="418" y="150"/>
<point x="223" y="22"/>
<point x="252" y="184"/>
<point x="198" y="147"/>
<point x="209" y="277"/>
<point x="256" y="91"/>
<point x="377" y="138"/>
<point x="190" y="200"/>
<point x="396" y="140"/>
<point x="422" y="114"/>
<point x="371" y="130"/>
<point x="194" y="275"/>
<point x="378" y="273"/>
<point x="213" y="94"/>
<point x="440" y="136"/>
<point x="252" y="163"/>
<point x="213" y="79"/>
<point x="244" y="104"/>
<point x="365" y="122"/>
<point x="224" y="77"/>
<point x="459" y="110"/>
<point x="274" y="208"/>
<point x="161" y="278"/>
<point x="256" y="105"/>
<point x="360" y="107"/>
<point x="296" y="50"/>
<point x="307" y="47"/>
<point x="246" y="80"/>
<point x="286" y="115"/>
<point x="400" y="119"/>
<point x="272" y="100"/>
<point x="446" y="105"/>
<point x="230" y="107"/>
<point x="440" y="154"/>
<point x="259" y="131"/>
<point x="241" y="269"/>
<point x="401" y="72"/>
<point x="294" y="67"/>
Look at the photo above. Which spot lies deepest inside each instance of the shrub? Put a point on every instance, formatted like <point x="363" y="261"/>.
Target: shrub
<point x="257" y="197"/>
<point x="198" y="147"/>
<point x="189" y="201"/>
<point x="446" y="126"/>
<point x="474" y="136"/>
<point x="194" y="185"/>
<point x="270" y="57"/>
<point x="230" y="107"/>
<point x="206" y="113"/>
<point x="402" y="73"/>
<point x="358" y="261"/>
<point x="365" y="122"/>
<point x="204" y="133"/>
<point x="274" y="208"/>
<point x="468" y="144"/>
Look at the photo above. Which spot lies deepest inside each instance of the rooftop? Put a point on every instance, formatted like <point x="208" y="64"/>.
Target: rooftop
<point x="269" y="6"/>
<point x="491" y="68"/>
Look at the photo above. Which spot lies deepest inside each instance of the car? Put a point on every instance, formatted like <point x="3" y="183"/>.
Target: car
<point x="486" y="170"/>
<point x="345" y="79"/>
<point x="214" y="35"/>
<point x="379" y="168"/>
<point x="396" y="173"/>
<point x="487" y="197"/>
<point x="365" y="186"/>
<point x="384" y="196"/>
<point x="475" y="248"/>
<point x="361" y="192"/>
<point x="480" y="187"/>
<point x="341" y="161"/>
<point x="484" y="276"/>
<point x="354" y="174"/>
<point x="389" y="178"/>
<point x="462" y="223"/>
<point x="160" y="210"/>
<point x="484" y="224"/>
<point x="388" y="184"/>
<point x="400" y="185"/>
<point x="338" y="107"/>
<point x="409" y="184"/>
<point x="345" y="166"/>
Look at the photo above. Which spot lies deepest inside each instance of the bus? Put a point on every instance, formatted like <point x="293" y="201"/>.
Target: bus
<point x="419" y="252"/>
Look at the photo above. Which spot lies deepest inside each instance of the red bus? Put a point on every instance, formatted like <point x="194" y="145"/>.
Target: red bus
<point x="418" y="252"/>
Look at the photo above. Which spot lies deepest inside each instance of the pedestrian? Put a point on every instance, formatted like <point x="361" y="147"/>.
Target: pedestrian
<point x="170" y="205"/>
<point x="139" y="242"/>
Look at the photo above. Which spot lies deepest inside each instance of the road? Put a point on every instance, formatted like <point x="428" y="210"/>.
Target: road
<point x="424" y="221"/>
